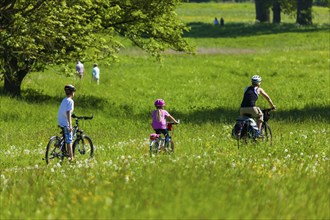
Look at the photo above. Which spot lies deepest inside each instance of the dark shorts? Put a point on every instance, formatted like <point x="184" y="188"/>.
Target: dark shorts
<point x="162" y="131"/>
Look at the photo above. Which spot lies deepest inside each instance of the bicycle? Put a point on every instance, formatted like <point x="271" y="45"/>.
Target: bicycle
<point x="82" y="144"/>
<point x="245" y="129"/>
<point x="157" y="142"/>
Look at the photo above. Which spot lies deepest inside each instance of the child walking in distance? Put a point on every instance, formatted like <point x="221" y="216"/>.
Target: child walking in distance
<point x="80" y="69"/>
<point x="248" y="105"/>
<point x="159" y="117"/>
<point x="96" y="74"/>
<point x="64" y="117"/>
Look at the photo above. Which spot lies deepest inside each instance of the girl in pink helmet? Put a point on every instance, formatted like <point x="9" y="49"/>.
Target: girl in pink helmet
<point x="159" y="117"/>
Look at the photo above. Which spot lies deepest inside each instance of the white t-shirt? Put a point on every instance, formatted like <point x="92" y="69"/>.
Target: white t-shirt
<point x="67" y="104"/>
<point x="96" y="72"/>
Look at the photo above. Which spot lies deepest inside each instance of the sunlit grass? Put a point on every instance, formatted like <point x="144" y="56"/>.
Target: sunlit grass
<point x="208" y="177"/>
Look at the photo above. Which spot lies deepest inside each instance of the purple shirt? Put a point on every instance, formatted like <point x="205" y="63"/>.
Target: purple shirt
<point x="162" y="123"/>
<point x="80" y="67"/>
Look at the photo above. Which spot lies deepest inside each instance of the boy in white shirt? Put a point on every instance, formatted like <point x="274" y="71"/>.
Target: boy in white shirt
<point x="64" y="117"/>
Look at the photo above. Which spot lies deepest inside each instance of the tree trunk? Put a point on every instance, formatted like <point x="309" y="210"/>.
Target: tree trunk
<point x="276" y="12"/>
<point x="262" y="11"/>
<point x="304" y="12"/>
<point x="13" y="77"/>
<point x="12" y="84"/>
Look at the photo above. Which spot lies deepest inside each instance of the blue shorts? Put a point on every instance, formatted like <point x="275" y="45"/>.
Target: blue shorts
<point x="68" y="135"/>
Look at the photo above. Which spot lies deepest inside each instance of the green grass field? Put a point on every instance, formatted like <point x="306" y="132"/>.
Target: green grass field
<point x="207" y="177"/>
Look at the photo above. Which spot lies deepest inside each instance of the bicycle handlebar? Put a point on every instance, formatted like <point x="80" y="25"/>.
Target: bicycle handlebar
<point x="82" y="117"/>
<point x="268" y="109"/>
<point x="173" y="123"/>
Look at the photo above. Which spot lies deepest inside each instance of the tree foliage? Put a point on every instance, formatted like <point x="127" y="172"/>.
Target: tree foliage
<point x="34" y="34"/>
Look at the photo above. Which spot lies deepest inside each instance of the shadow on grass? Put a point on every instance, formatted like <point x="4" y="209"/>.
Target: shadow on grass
<point x="198" y="116"/>
<point x="229" y="116"/>
<point x="82" y="101"/>
<point x="233" y="30"/>
<point x="221" y="115"/>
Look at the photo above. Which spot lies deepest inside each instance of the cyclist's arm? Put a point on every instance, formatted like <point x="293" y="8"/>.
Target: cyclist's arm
<point x="266" y="96"/>
<point x="173" y="119"/>
<point x="68" y="116"/>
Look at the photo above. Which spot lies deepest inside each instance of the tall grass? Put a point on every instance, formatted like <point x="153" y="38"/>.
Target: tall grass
<point x="207" y="177"/>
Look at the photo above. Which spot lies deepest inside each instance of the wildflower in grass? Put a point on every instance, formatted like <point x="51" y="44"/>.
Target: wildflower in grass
<point x="273" y="168"/>
<point x="126" y="178"/>
<point x="108" y="201"/>
<point x="304" y="136"/>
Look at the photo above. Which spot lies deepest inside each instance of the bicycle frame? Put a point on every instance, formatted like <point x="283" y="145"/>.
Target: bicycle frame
<point x="57" y="147"/>
<point x="157" y="142"/>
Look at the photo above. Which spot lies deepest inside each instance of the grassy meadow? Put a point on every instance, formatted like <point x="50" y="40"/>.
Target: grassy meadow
<point x="207" y="177"/>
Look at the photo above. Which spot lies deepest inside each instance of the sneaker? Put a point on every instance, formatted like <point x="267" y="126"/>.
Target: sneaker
<point x="259" y="134"/>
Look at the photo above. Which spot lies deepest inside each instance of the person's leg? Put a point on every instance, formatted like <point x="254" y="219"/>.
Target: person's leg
<point x="69" y="140"/>
<point x="259" y="116"/>
<point x="167" y="136"/>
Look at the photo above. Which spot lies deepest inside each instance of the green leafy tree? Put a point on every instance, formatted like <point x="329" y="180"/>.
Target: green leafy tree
<point x="35" y="34"/>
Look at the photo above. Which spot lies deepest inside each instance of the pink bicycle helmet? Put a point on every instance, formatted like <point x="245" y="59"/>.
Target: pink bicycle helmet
<point x="160" y="102"/>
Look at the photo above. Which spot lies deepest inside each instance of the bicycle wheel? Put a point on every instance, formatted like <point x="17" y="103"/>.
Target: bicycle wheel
<point x="83" y="147"/>
<point x="54" y="153"/>
<point x="154" y="145"/>
<point x="170" y="147"/>
<point x="267" y="133"/>
<point x="247" y="135"/>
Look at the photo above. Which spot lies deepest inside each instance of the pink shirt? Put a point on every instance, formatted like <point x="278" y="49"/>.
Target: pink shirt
<point x="162" y="123"/>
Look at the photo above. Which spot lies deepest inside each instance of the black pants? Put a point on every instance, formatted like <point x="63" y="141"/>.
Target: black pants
<point x="165" y="133"/>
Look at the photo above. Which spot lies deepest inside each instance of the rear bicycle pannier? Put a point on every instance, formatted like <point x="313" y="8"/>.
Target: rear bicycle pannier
<point x="243" y="123"/>
<point x="237" y="129"/>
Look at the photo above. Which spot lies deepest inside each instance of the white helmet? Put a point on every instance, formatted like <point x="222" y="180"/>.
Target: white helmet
<point x="256" y="79"/>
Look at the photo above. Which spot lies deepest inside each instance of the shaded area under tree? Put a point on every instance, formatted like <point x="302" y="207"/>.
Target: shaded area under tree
<point x="232" y="30"/>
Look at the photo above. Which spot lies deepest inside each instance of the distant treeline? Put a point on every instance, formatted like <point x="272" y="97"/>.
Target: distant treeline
<point x="315" y="2"/>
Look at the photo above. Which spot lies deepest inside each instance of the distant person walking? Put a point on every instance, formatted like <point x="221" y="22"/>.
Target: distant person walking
<point x="216" y="21"/>
<point x="96" y="74"/>
<point x="80" y="69"/>
<point x="222" y="22"/>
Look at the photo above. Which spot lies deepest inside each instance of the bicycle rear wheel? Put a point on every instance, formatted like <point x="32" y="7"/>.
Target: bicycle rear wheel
<point x="83" y="147"/>
<point x="54" y="153"/>
<point x="154" y="147"/>
<point x="267" y="133"/>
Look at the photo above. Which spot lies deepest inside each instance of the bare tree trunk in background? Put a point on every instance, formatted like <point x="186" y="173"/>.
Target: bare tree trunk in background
<point x="276" y="12"/>
<point x="262" y="11"/>
<point x="304" y="12"/>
